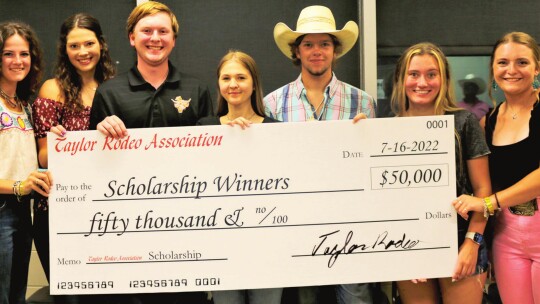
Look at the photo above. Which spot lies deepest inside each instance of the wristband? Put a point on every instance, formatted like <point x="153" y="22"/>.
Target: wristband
<point x="486" y="212"/>
<point x="21" y="189"/>
<point x="487" y="203"/>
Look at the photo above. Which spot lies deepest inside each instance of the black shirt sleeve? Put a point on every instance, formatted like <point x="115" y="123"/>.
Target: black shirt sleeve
<point x="99" y="110"/>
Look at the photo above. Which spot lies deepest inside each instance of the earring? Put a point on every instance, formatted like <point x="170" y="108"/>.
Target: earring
<point x="494" y="85"/>
<point x="536" y="84"/>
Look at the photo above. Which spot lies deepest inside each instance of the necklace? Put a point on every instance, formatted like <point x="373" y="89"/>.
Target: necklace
<point x="9" y="98"/>
<point x="229" y="119"/>
<point x="88" y="92"/>
<point x="514" y="114"/>
<point x="89" y="88"/>
<point x="319" y="106"/>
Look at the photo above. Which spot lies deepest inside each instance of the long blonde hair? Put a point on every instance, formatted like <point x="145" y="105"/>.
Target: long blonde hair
<point x="445" y="100"/>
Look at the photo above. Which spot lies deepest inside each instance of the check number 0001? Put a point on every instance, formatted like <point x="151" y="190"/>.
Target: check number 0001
<point x="174" y="282"/>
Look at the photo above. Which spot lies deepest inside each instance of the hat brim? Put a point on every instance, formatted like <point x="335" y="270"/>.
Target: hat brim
<point x="478" y="81"/>
<point x="283" y="35"/>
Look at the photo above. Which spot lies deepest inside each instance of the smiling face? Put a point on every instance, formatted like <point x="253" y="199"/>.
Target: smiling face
<point x="153" y="39"/>
<point x="16" y="60"/>
<point x="423" y="81"/>
<point x="514" y="68"/>
<point x="83" y="50"/>
<point x="235" y="83"/>
<point x="316" y="53"/>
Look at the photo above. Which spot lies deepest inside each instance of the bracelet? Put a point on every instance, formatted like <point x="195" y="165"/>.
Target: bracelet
<point x="486" y="212"/>
<point x="487" y="203"/>
<point x="15" y="185"/>
<point x="498" y="203"/>
<point x="21" y="189"/>
<point x="17" y="190"/>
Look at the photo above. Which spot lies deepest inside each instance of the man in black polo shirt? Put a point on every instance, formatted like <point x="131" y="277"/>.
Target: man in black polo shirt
<point x="153" y="93"/>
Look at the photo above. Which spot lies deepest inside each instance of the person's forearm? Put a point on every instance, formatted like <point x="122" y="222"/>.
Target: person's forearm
<point x="6" y="186"/>
<point x="523" y="191"/>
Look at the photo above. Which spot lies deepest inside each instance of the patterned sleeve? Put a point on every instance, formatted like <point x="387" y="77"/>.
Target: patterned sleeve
<point x="46" y="114"/>
<point x="270" y="105"/>
<point x="475" y="141"/>
<point x="368" y="105"/>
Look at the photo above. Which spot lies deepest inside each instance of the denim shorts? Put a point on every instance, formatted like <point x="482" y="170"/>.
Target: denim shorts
<point x="15" y="247"/>
<point x="482" y="260"/>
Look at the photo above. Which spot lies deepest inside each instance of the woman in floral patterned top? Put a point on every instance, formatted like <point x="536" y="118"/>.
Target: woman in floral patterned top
<point x="64" y="102"/>
<point x="20" y="71"/>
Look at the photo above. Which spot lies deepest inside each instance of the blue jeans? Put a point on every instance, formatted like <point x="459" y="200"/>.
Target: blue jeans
<point x="353" y="294"/>
<point x="15" y="246"/>
<point x="345" y="294"/>
<point x="255" y="296"/>
<point x="482" y="260"/>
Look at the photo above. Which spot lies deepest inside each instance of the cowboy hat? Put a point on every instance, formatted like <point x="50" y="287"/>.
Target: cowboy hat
<point x="476" y="80"/>
<point x="315" y="19"/>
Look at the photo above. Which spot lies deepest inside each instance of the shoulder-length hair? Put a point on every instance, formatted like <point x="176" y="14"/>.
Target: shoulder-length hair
<point x="27" y="86"/>
<point x="515" y="37"/>
<point x="445" y="100"/>
<point x="249" y="64"/>
<point x="66" y="74"/>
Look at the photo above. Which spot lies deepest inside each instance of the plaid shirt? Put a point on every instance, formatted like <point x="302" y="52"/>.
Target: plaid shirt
<point x="341" y="102"/>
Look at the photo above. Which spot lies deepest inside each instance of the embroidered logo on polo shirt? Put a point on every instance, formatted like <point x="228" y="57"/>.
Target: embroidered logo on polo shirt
<point x="180" y="104"/>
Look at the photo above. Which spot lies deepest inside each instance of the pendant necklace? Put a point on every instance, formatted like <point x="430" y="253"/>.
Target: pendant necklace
<point x="319" y="106"/>
<point x="514" y="114"/>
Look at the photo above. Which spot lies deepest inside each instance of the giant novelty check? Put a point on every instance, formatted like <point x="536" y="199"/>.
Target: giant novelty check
<point x="283" y="204"/>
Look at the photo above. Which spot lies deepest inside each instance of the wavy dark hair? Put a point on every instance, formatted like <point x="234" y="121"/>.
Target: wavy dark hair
<point x="27" y="86"/>
<point x="65" y="73"/>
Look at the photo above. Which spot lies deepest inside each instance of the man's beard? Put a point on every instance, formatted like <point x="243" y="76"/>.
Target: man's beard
<point x="317" y="73"/>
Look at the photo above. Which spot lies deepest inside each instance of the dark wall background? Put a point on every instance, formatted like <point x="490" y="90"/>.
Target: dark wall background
<point x="47" y="16"/>
<point x="208" y="29"/>
<point x="460" y="27"/>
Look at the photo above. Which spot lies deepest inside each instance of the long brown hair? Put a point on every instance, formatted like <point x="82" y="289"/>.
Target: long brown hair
<point x="249" y="64"/>
<point x="27" y="86"/>
<point x="67" y="77"/>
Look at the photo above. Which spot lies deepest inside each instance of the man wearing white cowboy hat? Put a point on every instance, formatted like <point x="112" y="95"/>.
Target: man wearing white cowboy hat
<point x="317" y="94"/>
<point x="473" y="86"/>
